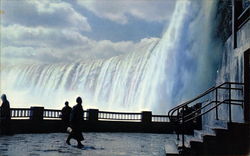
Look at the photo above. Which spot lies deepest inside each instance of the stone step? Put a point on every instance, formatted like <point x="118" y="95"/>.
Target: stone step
<point x="196" y="147"/>
<point x="221" y="138"/>
<point x="220" y="124"/>
<point x="233" y="130"/>
<point x="236" y="126"/>
<point x="200" y="133"/>
<point x="208" y="129"/>
<point x="211" y="128"/>
<point x="171" y="149"/>
<point x="224" y="145"/>
<point x="187" y="140"/>
<point x="194" y="143"/>
<point x="209" y="138"/>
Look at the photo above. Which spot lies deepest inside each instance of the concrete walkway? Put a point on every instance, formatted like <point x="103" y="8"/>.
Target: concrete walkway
<point x="96" y="144"/>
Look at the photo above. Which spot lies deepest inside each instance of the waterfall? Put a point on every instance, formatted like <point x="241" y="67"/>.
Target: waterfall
<point x="157" y="77"/>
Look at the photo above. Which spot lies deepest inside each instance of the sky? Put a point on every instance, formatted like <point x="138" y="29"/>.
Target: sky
<point x="64" y="31"/>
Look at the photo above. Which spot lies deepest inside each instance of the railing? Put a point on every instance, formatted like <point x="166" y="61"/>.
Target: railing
<point x="213" y="90"/>
<point x="51" y="113"/>
<point x="229" y="93"/>
<point x="20" y="112"/>
<point x="160" y="118"/>
<point x="85" y="114"/>
<point x="240" y="16"/>
<point x="119" y="116"/>
<point x="24" y="113"/>
<point x="243" y="18"/>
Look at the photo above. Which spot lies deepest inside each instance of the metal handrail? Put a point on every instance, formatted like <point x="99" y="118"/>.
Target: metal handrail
<point x="183" y="118"/>
<point x="173" y="110"/>
<point x="218" y="104"/>
<point x="197" y="110"/>
<point x="243" y="18"/>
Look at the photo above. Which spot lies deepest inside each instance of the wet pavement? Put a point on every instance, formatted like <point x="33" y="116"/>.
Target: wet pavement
<point x="96" y="144"/>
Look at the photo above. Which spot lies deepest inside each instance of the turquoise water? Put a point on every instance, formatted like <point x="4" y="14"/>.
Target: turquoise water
<point x="96" y="144"/>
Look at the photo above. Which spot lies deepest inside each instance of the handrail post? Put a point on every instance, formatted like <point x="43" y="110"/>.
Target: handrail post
<point x="182" y="122"/>
<point x="246" y="85"/>
<point x="230" y="111"/>
<point x="216" y="102"/>
<point x="178" y="134"/>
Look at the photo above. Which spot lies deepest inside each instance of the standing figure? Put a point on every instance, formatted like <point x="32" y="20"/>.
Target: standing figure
<point x="5" y="115"/>
<point x="66" y="114"/>
<point x="76" y="121"/>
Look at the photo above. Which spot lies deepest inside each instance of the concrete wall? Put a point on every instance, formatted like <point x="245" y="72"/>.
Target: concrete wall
<point x="55" y="126"/>
<point x="36" y="123"/>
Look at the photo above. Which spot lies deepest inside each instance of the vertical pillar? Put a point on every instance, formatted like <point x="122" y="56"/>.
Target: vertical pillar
<point x="234" y="19"/>
<point x="198" y="119"/>
<point x="247" y="85"/>
<point x="36" y="113"/>
<point x="146" y="117"/>
<point x="93" y="115"/>
<point x="236" y="11"/>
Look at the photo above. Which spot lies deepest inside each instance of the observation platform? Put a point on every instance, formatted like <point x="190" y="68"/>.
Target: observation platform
<point x="40" y="120"/>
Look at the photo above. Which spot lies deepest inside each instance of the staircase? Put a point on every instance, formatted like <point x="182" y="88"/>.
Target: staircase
<point x="217" y="136"/>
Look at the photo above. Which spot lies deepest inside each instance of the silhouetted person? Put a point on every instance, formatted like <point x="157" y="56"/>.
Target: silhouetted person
<point x="76" y="118"/>
<point x="66" y="114"/>
<point x="5" y="115"/>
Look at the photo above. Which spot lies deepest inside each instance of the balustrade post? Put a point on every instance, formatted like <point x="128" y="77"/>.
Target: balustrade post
<point x="36" y="113"/>
<point x="229" y="104"/>
<point x="178" y="134"/>
<point x="247" y="85"/>
<point x="146" y="117"/>
<point x="146" y="120"/>
<point x="92" y="115"/>
<point x="198" y="124"/>
<point x="216" y="102"/>
<point x="182" y="123"/>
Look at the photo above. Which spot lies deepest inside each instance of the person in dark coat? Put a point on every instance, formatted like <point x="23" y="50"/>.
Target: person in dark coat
<point x="76" y="120"/>
<point x="66" y="114"/>
<point x="5" y="115"/>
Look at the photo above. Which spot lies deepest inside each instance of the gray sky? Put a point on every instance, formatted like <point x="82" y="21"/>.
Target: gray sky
<point x="58" y="31"/>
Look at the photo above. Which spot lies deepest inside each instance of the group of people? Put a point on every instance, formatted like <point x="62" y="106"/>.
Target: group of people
<point x="5" y="116"/>
<point x="73" y="118"/>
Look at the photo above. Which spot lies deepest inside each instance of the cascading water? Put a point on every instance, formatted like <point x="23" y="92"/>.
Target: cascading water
<point x="180" y="65"/>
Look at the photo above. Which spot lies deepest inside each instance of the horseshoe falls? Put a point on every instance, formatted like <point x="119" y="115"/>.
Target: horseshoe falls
<point x="156" y="77"/>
